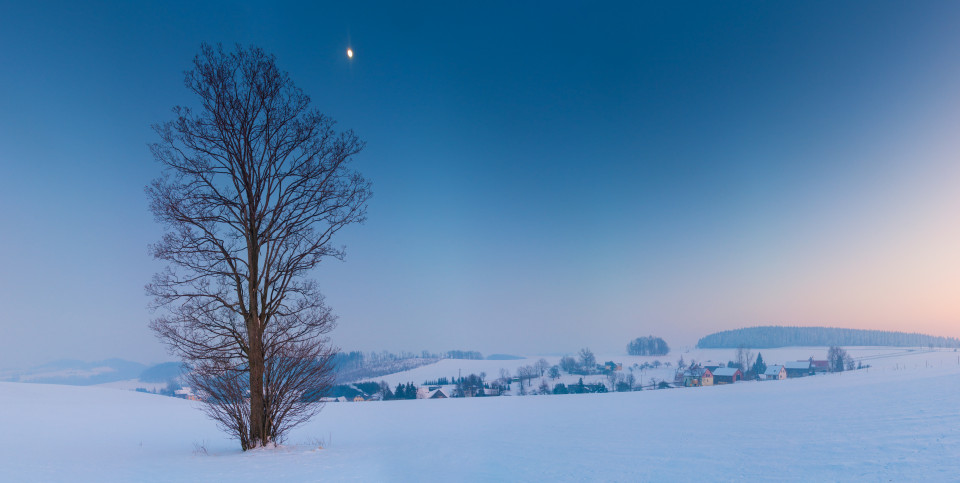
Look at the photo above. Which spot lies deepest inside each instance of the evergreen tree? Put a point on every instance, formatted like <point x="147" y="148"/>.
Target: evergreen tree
<point x="759" y="367"/>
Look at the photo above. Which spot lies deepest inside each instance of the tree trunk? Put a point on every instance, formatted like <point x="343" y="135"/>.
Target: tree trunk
<point x="258" y="435"/>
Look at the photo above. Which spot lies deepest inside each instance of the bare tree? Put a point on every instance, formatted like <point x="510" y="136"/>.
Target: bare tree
<point x="554" y="372"/>
<point x="255" y="185"/>
<point x="505" y="376"/>
<point x="588" y="362"/>
<point x="838" y="359"/>
<point x="613" y="378"/>
<point x="744" y="358"/>
<point x="544" y="387"/>
<point x="543" y="365"/>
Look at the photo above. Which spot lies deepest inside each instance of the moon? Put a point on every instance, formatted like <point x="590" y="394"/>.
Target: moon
<point x="349" y="52"/>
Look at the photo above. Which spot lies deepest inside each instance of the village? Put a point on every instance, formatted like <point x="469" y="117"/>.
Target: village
<point x="583" y="375"/>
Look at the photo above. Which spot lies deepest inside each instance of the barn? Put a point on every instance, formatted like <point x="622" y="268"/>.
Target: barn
<point x="727" y="375"/>
<point x="798" y="368"/>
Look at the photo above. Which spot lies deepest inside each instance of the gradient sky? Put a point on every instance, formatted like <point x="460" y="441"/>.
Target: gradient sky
<point x="546" y="177"/>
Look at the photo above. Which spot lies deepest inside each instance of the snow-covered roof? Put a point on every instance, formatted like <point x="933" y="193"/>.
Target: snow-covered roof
<point x="696" y="372"/>
<point x="797" y="365"/>
<point x="773" y="370"/>
<point x="725" y="371"/>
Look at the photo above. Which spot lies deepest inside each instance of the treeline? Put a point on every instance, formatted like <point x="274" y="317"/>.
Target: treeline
<point x="472" y="355"/>
<point x="776" y="336"/>
<point x="648" y="346"/>
<point x="356" y="365"/>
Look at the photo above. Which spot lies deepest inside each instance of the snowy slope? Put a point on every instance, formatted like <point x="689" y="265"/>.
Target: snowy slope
<point x="897" y="422"/>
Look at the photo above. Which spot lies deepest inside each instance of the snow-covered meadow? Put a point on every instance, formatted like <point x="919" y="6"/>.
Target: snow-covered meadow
<point x="899" y="420"/>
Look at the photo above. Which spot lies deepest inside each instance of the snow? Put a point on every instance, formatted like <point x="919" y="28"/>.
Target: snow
<point x="133" y="385"/>
<point x="898" y="420"/>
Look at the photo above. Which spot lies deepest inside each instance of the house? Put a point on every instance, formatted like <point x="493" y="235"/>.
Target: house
<point x="358" y="398"/>
<point x="697" y="376"/>
<point x="713" y="366"/>
<point x="775" y="373"/>
<point x="727" y="375"/>
<point x="798" y="368"/>
<point x="186" y="393"/>
<point x="611" y="366"/>
<point x="819" y="366"/>
<point x="437" y="394"/>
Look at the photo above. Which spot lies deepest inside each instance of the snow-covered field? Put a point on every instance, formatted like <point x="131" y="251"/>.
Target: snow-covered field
<point x="898" y="421"/>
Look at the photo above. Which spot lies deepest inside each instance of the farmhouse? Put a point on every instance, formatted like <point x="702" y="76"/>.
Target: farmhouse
<point x="437" y="394"/>
<point x="819" y="366"/>
<point x="611" y="366"/>
<point x="186" y="393"/>
<point x="775" y="373"/>
<point x="798" y="368"/>
<point x="727" y="375"/>
<point x="697" y="376"/>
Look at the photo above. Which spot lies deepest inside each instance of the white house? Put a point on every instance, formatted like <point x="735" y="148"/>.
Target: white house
<point x="775" y="373"/>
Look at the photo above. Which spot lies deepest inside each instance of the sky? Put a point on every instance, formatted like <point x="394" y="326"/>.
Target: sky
<point x="546" y="176"/>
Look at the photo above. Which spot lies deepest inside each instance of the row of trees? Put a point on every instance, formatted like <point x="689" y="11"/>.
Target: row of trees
<point x="403" y="391"/>
<point x="585" y="363"/>
<point x="777" y="336"/>
<point x="458" y="354"/>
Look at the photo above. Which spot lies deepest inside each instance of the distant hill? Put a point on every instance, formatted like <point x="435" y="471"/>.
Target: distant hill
<point x="503" y="357"/>
<point x="767" y="337"/>
<point x="78" y="373"/>
<point x="163" y="372"/>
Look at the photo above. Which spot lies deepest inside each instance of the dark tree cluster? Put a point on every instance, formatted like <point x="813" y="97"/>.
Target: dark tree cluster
<point x="470" y="386"/>
<point x="648" y="346"/>
<point x="585" y="363"/>
<point x="839" y="360"/>
<point x="776" y="336"/>
<point x="458" y="354"/>
<point x="403" y="391"/>
<point x="368" y="388"/>
<point x="581" y="388"/>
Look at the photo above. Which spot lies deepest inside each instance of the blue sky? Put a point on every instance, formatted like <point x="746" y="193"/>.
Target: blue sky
<point x="545" y="176"/>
